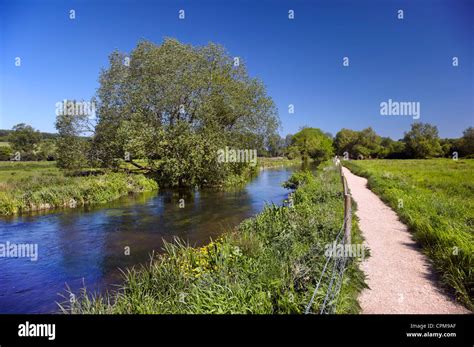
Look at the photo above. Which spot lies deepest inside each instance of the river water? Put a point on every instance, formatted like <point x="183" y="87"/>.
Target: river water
<point x="86" y="246"/>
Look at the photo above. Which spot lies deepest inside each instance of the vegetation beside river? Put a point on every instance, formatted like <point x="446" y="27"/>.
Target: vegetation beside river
<point x="435" y="198"/>
<point x="238" y="180"/>
<point x="266" y="163"/>
<point x="32" y="186"/>
<point x="269" y="264"/>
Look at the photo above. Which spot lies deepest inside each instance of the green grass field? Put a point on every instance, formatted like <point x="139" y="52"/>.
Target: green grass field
<point x="30" y="186"/>
<point x="435" y="198"/>
<point x="12" y="172"/>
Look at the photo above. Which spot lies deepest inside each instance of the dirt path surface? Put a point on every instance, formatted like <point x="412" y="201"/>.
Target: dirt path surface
<point x="399" y="276"/>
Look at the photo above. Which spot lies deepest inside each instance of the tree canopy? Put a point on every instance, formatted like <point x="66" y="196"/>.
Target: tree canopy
<point x="73" y="145"/>
<point x="358" y="144"/>
<point x="422" y="141"/>
<point x="175" y="106"/>
<point x="467" y="142"/>
<point x="24" y="139"/>
<point x="312" y="143"/>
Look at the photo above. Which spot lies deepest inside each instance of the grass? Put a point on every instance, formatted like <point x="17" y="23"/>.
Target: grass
<point x="435" y="198"/>
<point x="268" y="265"/>
<point x="12" y="172"/>
<point x="31" y="186"/>
<point x="264" y="162"/>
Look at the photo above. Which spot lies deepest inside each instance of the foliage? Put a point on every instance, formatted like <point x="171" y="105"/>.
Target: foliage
<point x="298" y="179"/>
<point x="437" y="198"/>
<point x="5" y="153"/>
<point x="395" y="150"/>
<point x="344" y="141"/>
<point x="24" y="139"/>
<point x="422" y="141"/>
<point x="47" y="150"/>
<point x="275" y="147"/>
<point x="5" y="133"/>
<point x="30" y="143"/>
<point x="72" y="147"/>
<point x="466" y="143"/>
<point x="390" y="149"/>
<point x="312" y="143"/>
<point x="292" y="153"/>
<point x="175" y="106"/>
<point x="358" y="144"/>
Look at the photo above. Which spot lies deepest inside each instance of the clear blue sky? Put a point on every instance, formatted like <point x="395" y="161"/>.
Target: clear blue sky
<point x="300" y="60"/>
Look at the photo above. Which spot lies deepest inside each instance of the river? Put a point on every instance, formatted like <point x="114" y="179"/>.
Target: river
<point x="86" y="246"/>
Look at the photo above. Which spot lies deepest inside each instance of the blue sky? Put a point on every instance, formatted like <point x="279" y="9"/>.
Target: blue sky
<point x="299" y="60"/>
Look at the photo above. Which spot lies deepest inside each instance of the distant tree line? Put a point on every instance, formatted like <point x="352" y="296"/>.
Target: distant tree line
<point x="72" y="149"/>
<point x="27" y="144"/>
<point x="5" y="134"/>
<point x="420" y="142"/>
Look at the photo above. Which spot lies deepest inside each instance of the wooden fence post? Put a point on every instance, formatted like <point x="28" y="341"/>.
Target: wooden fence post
<point x="347" y="209"/>
<point x="347" y="217"/>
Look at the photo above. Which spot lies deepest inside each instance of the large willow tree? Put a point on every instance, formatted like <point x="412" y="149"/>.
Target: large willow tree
<point x="174" y="106"/>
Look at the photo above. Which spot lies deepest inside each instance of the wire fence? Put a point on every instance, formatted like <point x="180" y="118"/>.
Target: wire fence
<point x="325" y="296"/>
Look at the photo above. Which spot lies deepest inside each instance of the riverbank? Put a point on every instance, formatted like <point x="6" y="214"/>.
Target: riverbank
<point x="435" y="199"/>
<point x="34" y="186"/>
<point x="266" y="163"/>
<point x="263" y="163"/>
<point x="269" y="264"/>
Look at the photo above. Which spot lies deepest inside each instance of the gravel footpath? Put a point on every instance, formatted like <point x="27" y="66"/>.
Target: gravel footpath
<point x="400" y="278"/>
